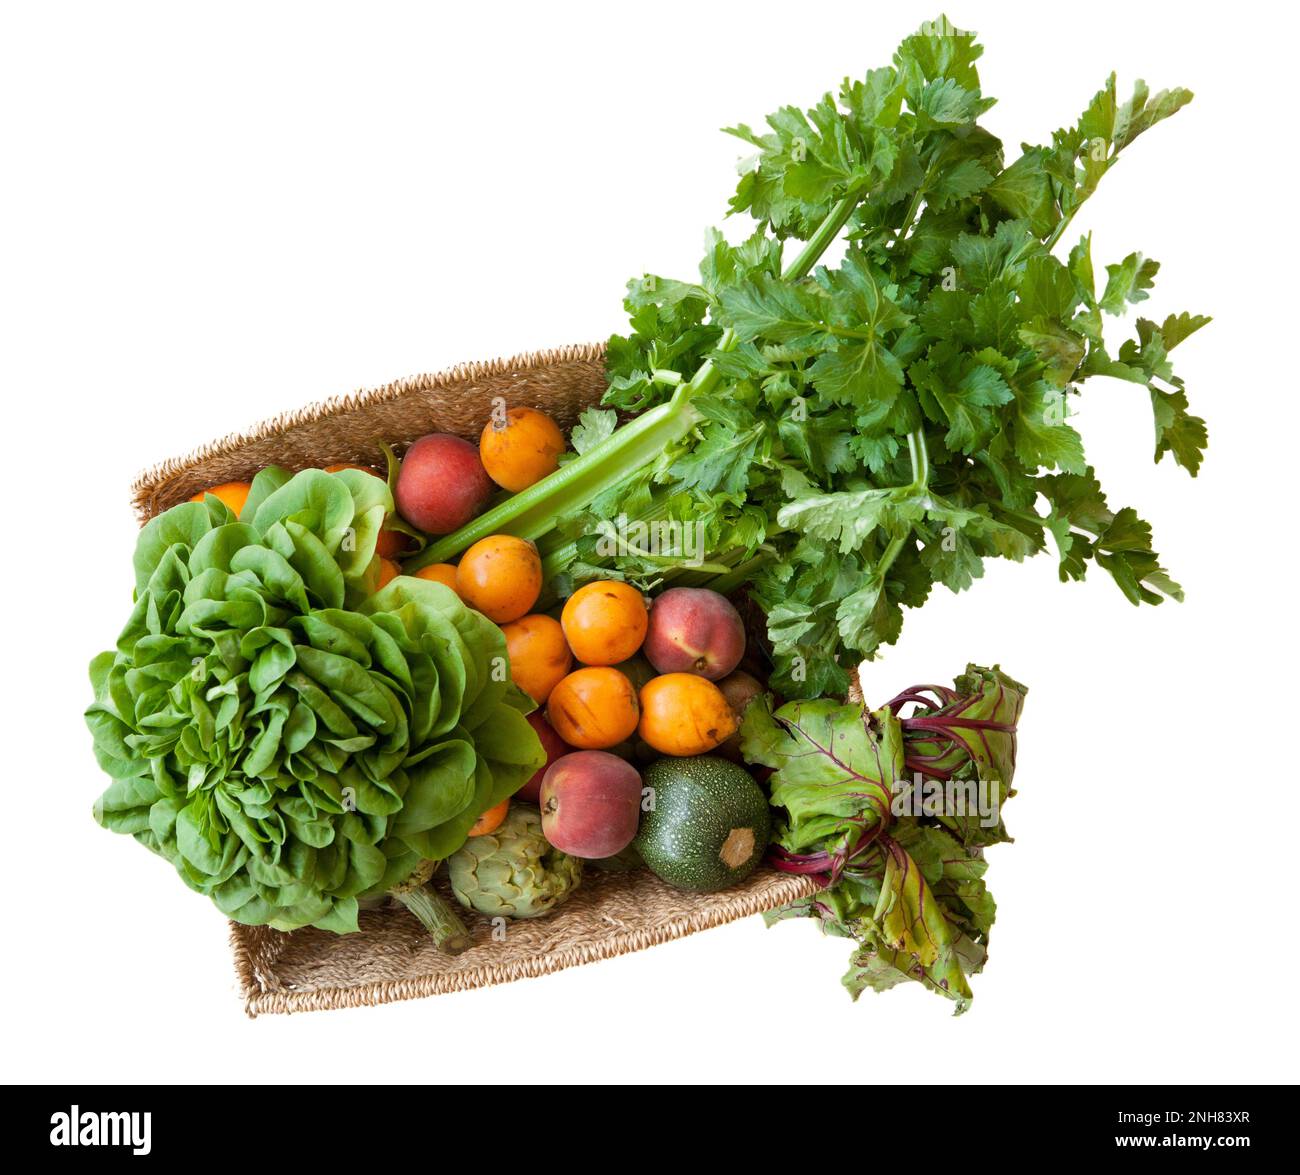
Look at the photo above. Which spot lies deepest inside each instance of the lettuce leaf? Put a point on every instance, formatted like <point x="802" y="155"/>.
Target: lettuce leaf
<point x="289" y="739"/>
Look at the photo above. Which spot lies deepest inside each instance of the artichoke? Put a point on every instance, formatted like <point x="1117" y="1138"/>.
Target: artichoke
<point x="513" y="872"/>
<point x="290" y="740"/>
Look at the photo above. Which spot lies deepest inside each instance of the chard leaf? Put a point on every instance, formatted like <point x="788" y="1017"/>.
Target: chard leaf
<point x="835" y="767"/>
<point x="909" y="889"/>
<point x="913" y="933"/>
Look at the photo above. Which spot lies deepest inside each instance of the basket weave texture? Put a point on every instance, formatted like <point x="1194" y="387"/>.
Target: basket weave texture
<point x="392" y="958"/>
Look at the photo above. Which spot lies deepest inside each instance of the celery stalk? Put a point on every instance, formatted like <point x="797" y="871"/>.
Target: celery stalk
<point x="533" y="512"/>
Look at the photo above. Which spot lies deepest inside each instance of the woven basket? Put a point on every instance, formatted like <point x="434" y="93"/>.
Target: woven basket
<point x="393" y="958"/>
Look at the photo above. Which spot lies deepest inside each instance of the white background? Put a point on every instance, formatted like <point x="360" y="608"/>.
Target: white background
<point x="215" y="212"/>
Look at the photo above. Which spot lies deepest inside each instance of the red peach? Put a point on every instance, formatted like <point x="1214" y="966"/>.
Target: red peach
<point x="553" y="745"/>
<point x="694" y="630"/>
<point x="591" y="804"/>
<point x="442" y="484"/>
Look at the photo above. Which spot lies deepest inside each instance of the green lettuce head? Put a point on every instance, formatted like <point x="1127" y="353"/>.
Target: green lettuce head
<point x="289" y="739"/>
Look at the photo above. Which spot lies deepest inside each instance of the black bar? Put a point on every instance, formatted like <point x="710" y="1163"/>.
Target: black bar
<point x="94" y="1123"/>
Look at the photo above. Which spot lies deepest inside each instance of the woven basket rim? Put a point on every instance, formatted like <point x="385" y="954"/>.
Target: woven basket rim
<point x="768" y="890"/>
<point x="150" y="481"/>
